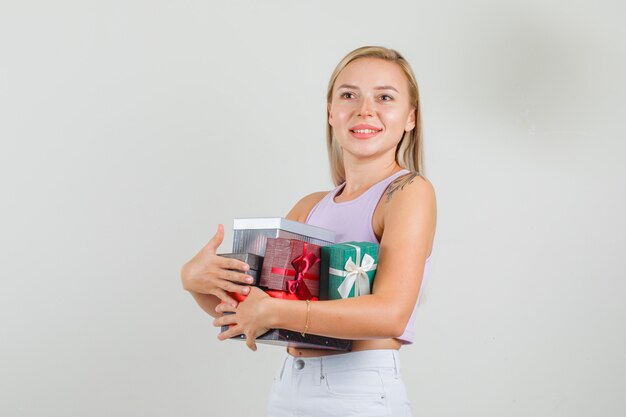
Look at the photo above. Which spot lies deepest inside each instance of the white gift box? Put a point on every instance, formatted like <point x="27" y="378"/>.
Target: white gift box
<point x="250" y="234"/>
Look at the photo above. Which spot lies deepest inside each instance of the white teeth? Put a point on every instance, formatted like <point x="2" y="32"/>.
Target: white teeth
<point x="364" y="131"/>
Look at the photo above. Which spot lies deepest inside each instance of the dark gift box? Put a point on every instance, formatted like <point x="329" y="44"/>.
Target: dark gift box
<point x="282" y="337"/>
<point x="293" y="266"/>
<point x="254" y="261"/>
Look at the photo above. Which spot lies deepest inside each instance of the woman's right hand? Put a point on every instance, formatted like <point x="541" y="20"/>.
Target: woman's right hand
<point x="208" y="273"/>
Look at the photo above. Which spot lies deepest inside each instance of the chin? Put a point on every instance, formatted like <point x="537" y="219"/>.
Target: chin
<point x="364" y="153"/>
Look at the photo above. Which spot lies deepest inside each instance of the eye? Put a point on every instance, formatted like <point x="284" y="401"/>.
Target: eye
<point x="386" y="97"/>
<point x="347" y="95"/>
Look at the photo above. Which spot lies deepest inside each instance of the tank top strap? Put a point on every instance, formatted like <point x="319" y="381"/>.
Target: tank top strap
<point x="379" y="188"/>
<point x="373" y="193"/>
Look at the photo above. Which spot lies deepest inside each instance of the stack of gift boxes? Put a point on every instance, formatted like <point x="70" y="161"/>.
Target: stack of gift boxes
<point x="296" y="261"/>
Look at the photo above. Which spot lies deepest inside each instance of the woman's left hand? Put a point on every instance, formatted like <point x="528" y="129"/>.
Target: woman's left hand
<point x="250" y="317"/>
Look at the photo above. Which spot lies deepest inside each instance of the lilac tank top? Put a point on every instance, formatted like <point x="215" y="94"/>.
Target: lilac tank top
<point x="352" y="221"/>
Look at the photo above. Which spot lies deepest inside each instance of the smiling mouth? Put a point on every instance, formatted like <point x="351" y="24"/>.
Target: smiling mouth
<point x="364" y="131"/>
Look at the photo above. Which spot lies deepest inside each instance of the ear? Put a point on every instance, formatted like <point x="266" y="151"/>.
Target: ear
<point x="330" y="115"/>
<point x="410" y="122"/>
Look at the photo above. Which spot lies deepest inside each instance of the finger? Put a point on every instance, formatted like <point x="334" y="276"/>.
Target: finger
<point x="215" y="241"/>
<point x="250" y="342"/>
<point x="231" y="263"/>
<point x="225" y="308"/>
<point x="224" y="296"/>
<point x="230" y="287"/>
<point x="235" y="276"/>
<point x="231" y="332"/>
<point x="225" y="320"/>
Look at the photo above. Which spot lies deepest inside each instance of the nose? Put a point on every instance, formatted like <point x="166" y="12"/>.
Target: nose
<point x="366" y="109"/>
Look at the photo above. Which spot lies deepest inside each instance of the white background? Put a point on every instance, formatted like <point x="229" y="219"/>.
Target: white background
<point x="130" y="129"/>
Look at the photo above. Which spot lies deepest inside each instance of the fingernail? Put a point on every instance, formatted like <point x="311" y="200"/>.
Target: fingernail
<point x="249" y="280"/>
<point x="246" y="267"/>
<point x="233" y="304"/>
<point x="246" y="290"/>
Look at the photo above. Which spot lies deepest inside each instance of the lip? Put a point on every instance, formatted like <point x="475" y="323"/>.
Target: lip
<point x="361" y="135"/>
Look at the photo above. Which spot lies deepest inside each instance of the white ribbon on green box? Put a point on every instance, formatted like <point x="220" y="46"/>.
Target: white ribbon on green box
<point x="355" y="274"/>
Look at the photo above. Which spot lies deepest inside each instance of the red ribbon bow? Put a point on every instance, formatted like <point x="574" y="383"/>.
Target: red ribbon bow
<point x="301" y="265"/>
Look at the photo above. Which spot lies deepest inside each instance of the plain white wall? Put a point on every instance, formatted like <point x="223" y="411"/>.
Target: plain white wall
<point x="129" y="129"/>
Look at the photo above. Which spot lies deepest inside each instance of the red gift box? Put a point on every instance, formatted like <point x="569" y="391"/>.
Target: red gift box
<point x="272" y="293"/>
<point x="292" y="266"/>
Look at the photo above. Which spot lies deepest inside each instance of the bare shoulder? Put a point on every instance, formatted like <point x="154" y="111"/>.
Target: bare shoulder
<point x="410" y="187"/>
<point x="302" y="208"/>
<point x="409" y="211"/>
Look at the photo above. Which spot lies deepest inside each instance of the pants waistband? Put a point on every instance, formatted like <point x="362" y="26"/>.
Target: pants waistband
<point x="377" y="358"/>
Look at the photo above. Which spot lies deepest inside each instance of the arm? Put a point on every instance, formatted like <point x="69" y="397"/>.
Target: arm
<point x="207" y="302"/>
<point x="408" y="231"/>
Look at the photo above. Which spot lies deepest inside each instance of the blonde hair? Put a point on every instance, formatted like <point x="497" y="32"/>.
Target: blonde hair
<point x="409" y="151"/>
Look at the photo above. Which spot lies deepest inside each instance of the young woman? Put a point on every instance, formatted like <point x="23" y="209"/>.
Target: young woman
<point x="374" y="145"/>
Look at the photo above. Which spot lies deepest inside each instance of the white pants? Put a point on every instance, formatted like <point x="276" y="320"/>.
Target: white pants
<point x="364" y="383"/>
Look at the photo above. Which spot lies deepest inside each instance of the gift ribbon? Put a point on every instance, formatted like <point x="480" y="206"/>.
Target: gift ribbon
<point x="301" y="266"/>
<point x="355" y="273"/>
<point x="285" y="295"/>
<point x="272" y="293"/>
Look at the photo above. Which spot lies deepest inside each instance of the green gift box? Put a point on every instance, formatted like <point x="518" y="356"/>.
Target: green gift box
<point x="347" y="269"/>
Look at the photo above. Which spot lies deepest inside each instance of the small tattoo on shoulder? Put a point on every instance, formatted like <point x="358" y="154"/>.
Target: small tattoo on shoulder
<point x="399" y="184"/>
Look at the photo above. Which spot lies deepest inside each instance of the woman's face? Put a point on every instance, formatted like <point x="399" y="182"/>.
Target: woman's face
<point x="370" y="110"/>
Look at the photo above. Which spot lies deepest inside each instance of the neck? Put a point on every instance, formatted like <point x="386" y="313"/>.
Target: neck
<point x="363" y="174"/>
